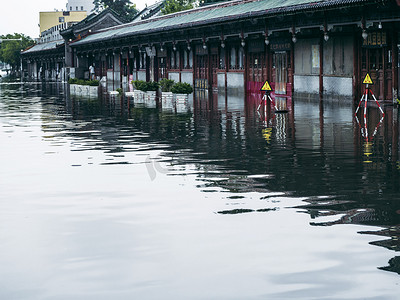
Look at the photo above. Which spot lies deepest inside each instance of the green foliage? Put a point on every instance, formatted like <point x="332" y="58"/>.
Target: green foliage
<point x="124" y="8"/>
<point x="10" y="51"/>
<point x="172" y="6"/>
<point x="152" y="86"/>
<point x="83" y="82"/>
<point x="166" y="84"/>
<point x="145" y="86"/>
<point x="94" y="82"/>
<point x="209" y="2"/>
<point x="139" y="84"/>
<point x="119" y="90"/>
<point x="73" y="80"/>
<point x="182" y="88"/>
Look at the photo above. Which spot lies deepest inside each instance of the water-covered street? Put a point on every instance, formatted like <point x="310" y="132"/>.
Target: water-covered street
<point x="105" y="198"/>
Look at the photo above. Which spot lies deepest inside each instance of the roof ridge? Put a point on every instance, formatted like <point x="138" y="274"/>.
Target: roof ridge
<point x="180" y="13"/>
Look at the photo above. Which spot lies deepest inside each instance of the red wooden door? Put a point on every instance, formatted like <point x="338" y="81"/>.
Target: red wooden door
<point x="201" y="72"/>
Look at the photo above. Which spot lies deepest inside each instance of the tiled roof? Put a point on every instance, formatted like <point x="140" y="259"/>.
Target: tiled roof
<point x="215" y="13"/>
<point x="44" y="46"/>
<point x="92" y="18"/>
<point x="149" y="12"/>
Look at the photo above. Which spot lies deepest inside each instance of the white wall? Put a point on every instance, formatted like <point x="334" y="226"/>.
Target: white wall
<point x="87" y="5"/>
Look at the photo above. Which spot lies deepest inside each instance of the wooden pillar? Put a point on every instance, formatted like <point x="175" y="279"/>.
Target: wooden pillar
<point x="194" y="65"/>
<point x="395" y="60"/>
<point x="267" y="64"/>
<point x="321" y="67"/>
<point x="382" y="89"/>
<point x="246" y="69"/>
<point x="120" y="69"/>
<point x="137" y="60"/>
<point x="227" y="55"/>
<point x="128" y="67"/>
<point x="113" y="68"/>
<point x="356" y="67"/>
<point x="209" y="70"/>
<point x="180" y="64"/>
<point x="292" y="67"/>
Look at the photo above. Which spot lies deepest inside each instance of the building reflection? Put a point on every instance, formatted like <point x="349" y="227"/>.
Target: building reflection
<point x="315" y="150"/>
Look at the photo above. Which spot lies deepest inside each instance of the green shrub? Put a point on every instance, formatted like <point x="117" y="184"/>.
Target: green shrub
<point x="139" y="84"/>
<point x="119" y="90"/>
<point x="166" y="84"/>
<point x="94" y="82"/>
<point x="182" y="88"/>
<point x="145" y="86"/>
<point x="152" y="86"/>
<point x="83" y="82"/>
<point x="72" y="80"/>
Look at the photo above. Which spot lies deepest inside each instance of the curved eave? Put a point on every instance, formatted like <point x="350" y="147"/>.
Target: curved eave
<point x="44" y="51"/>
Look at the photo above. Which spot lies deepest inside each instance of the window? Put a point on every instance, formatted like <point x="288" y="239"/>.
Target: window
<point x="185" y="60"/>
<point x="142" y="60"/>
<point x="222" y="58"/>
<point x="307" y="56"/>
<point x="81" y="7"/>
<point x="70" y="8"/>
<point x="110" y="61"/>
<point x="241" y="58"/>
<point x="61" y="19"/>
<point x="173" y="60"/>
<point x="177" y="59"/>
<point x="338" y="57"/>
<point x="76" y="8"/>
<point x="191" y="59"/>
<point x="233" y="58"/>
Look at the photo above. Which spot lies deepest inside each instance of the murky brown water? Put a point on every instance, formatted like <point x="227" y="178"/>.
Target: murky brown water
<point x="110" y="199"/>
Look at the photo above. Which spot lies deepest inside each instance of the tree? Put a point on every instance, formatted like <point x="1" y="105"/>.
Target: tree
<point x="124" y="8"/>
<point x="10" y="51"/>
<point x="172" y="6"/>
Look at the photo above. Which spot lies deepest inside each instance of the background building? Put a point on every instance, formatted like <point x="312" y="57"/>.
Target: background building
<point x="50" y="19"/>
<point x="80" y="5"/>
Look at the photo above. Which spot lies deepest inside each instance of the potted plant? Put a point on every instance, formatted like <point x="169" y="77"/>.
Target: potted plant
<point x="84" y="87"/>
<point x="93" y="87"/>
<point x="151" y="88"/>
<point x="182" y="88"/>
<point x="166" y="94"/>
<point x="181" y="91"/>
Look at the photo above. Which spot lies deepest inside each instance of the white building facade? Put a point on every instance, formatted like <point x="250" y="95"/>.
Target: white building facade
<point x="80" y="5"/>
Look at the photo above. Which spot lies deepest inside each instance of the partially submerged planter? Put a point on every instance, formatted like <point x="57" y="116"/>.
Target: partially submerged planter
<point x="167" y="101"/>
<point x="182" y="91"/>
<point x="84" y="90"/>
<point x="150" y="99"/>
<point x="181" y="102"/>
<point x="138" y="96"/>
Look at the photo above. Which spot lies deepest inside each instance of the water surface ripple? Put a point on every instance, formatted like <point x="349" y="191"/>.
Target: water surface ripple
<point x="106" y="198"/>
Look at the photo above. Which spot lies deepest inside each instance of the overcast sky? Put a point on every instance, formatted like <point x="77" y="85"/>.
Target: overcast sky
<point x="22" y="16"/>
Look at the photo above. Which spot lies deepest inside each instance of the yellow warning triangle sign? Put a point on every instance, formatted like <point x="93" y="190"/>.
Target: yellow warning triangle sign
<point x="367" y="79"/>
<point x="266" y="86"/>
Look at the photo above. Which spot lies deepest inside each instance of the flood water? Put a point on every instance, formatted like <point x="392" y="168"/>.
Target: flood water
<point x="105" y="198"/>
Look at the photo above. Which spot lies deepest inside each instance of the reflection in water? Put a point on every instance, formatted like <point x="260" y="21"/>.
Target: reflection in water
<point x="313" y="150"/>
<point x="316" y="157"/>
